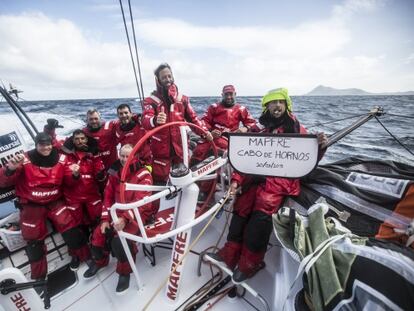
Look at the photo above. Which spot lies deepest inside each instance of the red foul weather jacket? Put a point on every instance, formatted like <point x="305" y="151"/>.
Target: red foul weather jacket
<point x="39" y="185"/>
<point x="271" y="192"/>
<point x="168" y="139"/>
<point x="137" y="174"/>
<point x="132" y="136"/>
<point x="227" y="119"/>
<point x="86" y="189"/>
<point x="107" y="142"/>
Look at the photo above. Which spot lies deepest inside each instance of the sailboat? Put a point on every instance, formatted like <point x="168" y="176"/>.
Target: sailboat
<point x="172" y="270"/>
<point x="323" y="240"/>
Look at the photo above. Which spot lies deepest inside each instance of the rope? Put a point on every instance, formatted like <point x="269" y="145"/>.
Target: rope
<point x="395" y="138"/>
<point x="201" y="297"/>
<point x="203" y="291"/>
<point x="136" y="52"/>
<point x="400" y="115"/>
<point x="188" y="251"/>
<point x="334" y="121"/>
<point x="220" y="296"/>
<point x="130" y="51"/>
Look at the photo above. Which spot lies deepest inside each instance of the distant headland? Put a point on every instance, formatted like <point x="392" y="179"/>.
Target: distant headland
<point x="330" y="91"/>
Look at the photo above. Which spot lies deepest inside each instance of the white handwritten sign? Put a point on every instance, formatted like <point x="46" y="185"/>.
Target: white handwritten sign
<point x="281" y="155"/>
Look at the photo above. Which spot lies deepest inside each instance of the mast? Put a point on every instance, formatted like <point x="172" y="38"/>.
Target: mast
<point x="21" y="114"/>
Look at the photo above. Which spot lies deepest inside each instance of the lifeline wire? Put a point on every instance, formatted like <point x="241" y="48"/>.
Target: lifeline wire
<point x="400" y="116"/>
<point x="329" y="122"/>
<point x="395" y="138"/>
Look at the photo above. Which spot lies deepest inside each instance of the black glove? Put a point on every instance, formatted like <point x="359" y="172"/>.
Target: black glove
<point x="53" y="124"/>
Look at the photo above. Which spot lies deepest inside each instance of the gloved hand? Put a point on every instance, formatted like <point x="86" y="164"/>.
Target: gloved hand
<point x="53" y="124"/>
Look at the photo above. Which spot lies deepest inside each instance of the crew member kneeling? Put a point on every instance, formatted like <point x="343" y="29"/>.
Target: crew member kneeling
<point x="137" y="174"/>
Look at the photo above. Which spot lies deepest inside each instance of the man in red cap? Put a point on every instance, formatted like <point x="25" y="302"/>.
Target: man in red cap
<point x="221" y="118"/>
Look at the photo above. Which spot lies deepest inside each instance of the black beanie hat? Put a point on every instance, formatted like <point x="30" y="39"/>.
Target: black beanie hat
<point x="43" y="138"/>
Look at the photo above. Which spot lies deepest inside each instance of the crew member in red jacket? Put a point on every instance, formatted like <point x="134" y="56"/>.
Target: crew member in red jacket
<point x="38" y="176"/>
<point x="83" y="197"/>
<point x="251" y="224"/>
<point x="165" y="105"/>
<point x="104" y="133"/>
<point x="129" y="130"/>
<point x="221" y="118"/>
<point x="138" y="174"/>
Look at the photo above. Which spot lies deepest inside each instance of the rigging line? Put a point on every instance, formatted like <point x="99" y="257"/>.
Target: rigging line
<point x="130" y="49"/>
<point x="395" y="138"/>
<point x="333" y="121"/>
<point x="136" y="54"/>
<point x="400" y="115"/>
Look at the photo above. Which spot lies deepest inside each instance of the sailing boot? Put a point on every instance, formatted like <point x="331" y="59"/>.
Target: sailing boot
<point x="257" y="234"/>
<point x="249" y="264"/>
<point x="100" y="259"/>
<point x="78" y="247"/>
<point x="74" y="263"/>
<point x="123" y="267"/>
<point x="123" y="284"/>
<point x="92" y="270"/>
<point x="229" y="254"/>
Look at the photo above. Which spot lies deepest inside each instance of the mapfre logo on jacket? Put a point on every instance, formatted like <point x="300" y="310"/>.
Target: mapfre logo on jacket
<point x="42" y="194"/>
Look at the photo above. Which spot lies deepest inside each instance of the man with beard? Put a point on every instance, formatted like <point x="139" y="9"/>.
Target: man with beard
<point x="38" y="176"/>
<point x="251" y="224"/>
<point x="165" y="105"/>
<point x="129" y="130"/>
<point x="221" y="118"/>
<point x="138" y="174"/>
<point x="83" y="198"/>
<point x="104" y="133"/>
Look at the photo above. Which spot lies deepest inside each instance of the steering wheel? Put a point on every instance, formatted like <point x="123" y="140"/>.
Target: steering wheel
<point x="184" y="144"/>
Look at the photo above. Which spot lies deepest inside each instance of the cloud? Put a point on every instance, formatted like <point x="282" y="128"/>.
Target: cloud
<point x="54" y="58"/>
<point x="351" y="7"/>
<point x="315" y="38"/>
<point x="56" y="54"/>
<point x="257" y="58"/>
<point x="410" y="59"/>
<point x="56" y="51"/>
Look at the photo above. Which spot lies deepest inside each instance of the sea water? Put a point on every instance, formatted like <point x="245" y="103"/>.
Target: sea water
<point x="317" y="113"/>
